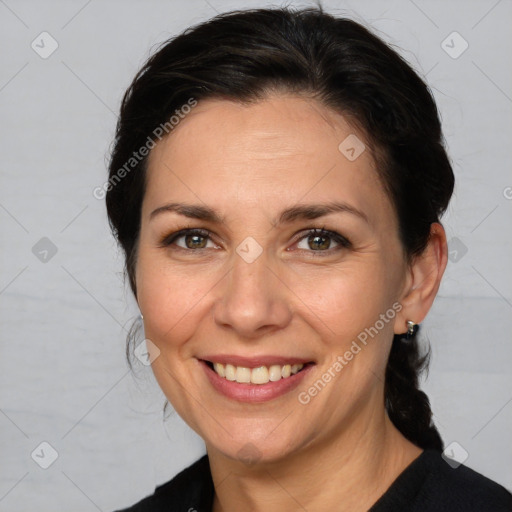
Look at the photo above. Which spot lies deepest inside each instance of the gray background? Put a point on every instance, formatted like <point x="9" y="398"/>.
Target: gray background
<point x="63" y="376"/>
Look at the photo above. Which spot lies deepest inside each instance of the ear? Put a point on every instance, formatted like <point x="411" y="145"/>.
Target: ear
<point x="423" y="280"/>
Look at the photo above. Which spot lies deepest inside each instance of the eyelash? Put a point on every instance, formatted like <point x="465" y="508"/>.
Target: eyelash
<point x="343" y="242"/>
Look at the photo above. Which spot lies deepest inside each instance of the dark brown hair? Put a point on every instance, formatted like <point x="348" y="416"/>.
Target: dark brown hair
<point x="242" y="56"/>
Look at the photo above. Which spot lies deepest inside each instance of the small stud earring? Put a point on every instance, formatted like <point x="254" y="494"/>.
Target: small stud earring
<point x="141" y="316"/>
<point x="411" y="329"/>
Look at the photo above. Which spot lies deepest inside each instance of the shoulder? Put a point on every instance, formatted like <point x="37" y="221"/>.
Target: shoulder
<point x="192" y="489"/>
<point x="458" y="488"/>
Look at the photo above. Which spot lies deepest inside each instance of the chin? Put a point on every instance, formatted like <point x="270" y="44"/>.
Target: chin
<point x="254" y="450"/>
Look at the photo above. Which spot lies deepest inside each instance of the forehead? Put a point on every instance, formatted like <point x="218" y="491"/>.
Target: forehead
<point x="279" y="150"/>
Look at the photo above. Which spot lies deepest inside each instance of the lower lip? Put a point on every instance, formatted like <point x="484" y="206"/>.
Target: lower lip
<point x="254" y="393"/>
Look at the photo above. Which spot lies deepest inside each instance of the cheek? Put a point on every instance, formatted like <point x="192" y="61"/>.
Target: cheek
<point x="172" y="300"/>
<point x="343" y="301"/>
<point x="351" y="311"/>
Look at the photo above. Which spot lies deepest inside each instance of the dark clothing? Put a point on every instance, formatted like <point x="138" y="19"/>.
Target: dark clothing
<point x="428" y="484"/>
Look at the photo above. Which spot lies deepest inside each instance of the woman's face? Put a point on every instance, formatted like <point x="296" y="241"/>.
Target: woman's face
<point x="255" y="288"/>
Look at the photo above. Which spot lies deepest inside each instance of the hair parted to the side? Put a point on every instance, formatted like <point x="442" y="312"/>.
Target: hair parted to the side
<point x="244" y="55"/>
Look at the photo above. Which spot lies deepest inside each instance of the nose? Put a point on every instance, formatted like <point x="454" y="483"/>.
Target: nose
<point x="253" y="299"/>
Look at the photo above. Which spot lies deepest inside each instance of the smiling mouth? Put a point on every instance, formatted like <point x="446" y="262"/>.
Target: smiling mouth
<point x="258" y="375"/>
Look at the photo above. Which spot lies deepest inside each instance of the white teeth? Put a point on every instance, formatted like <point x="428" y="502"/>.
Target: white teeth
<point x="219" y="368"/>
<point x="230" y="372"/>
<point x="243" y="374"/>
<point x="260" y="375"/>
<point x="295" y="368"/>
<point x="274" y="373"/>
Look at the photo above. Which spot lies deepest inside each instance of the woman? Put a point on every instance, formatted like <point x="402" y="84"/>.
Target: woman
<point x="276" y="185"/>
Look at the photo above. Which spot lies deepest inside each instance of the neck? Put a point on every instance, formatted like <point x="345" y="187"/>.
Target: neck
<point x="349" y="472"/>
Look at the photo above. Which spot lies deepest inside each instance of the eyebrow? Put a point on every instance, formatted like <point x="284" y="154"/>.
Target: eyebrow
<point x="298" y="212"/>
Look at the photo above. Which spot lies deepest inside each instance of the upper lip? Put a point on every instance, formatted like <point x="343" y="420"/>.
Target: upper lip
<point x="255" y="361"/>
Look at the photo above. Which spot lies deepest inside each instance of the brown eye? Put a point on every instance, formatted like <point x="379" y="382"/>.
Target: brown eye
<point x="188" y="239"/>
<point x="320" y="240"/>
<point x="195" y="241"/>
